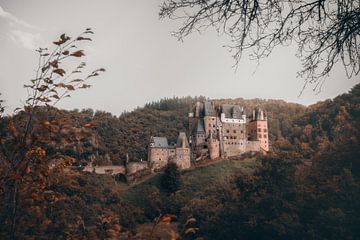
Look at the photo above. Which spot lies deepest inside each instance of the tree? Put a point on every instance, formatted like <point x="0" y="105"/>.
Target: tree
<point x="26" y="166"/>
<point x="170" y="180"/>
<point x="326" y="31"/>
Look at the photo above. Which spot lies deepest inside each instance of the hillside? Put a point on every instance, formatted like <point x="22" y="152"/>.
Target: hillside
<point x="307" y="188"/>
<point x="130" y="132"/>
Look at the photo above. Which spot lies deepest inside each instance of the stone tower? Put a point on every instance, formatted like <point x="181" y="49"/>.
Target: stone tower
<point x="257" y="129"/>
<point x="214" y="147"/>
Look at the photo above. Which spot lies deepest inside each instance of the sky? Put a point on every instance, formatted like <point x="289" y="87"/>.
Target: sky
<point x="144" y="62"/>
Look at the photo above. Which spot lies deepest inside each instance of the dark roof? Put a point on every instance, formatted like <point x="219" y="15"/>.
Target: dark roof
<point x="182" y="141"/>
<point x="232" y="111"/>
<point x="160" y="142"/>
<point x="209" y="109"/>
<point x="200" y="126"/>
<point x="258" y="113"/>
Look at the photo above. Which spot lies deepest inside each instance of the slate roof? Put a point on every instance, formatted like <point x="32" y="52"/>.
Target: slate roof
<point x="258" y="114"/>
<point x="182" y="140"/>
<point x="232" y="111"/>
<point x="160" y="142"/>
<point x="209" y="109"/>
<point x="200" y="126"/>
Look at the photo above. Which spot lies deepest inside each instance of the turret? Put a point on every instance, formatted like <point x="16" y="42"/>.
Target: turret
<point x="258" y="129"/>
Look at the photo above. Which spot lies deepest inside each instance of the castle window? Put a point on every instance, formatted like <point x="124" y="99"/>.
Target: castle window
<point x="242" y="131"/>
<point x="234" y="131"/>
<point x="259" y="129"/>
<point x="259" y="135"/>
<point x="227" y="131"/>
<point x="265" y="136"/>
<point x="265" y="130"/>
<point x="213" y="125"/>
<point x="234" y="137"/>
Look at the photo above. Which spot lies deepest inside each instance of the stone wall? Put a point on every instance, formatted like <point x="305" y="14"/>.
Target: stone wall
<point x="210" y="125"/>
<point x="234" y="138"/>
<point x="214" y="148"/>
<point x="253" y="146"/>
<point x="112" y="170"/>
<point x="182" y="158"/>
<point x="133" y="167"/>
<point x="158" y="158"/>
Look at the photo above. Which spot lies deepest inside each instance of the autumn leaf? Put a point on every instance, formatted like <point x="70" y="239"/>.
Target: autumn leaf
<point x="63" y="39"/>
<point x="54" y="64"/>
<point x="45" y="123"/>
<point x="55" y="96"/>
<point x="167" y="218"/>
<point x="59" y="71"/>
<point x="78" y="53"/>
<point x="60" y="85"/>
<point x="85" y="86"/>
<point x="70" y="87"/>
<point x="83" y="38"/>
<point x="191" y="230"/>
<point x="66" y="52"/>
<point x="88" y="125"/>
<point x="28" y="86"/>
<point x="77" y="80"/>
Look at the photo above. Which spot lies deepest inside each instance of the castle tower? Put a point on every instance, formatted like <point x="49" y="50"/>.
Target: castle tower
<point x="158" y="153"/>
<point x="182" y="152"/>
<point x="214" y="147"/>
<point x="258" y="129"/>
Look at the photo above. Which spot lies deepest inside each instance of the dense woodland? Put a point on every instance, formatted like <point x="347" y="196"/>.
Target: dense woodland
<point x="307" y="187"/>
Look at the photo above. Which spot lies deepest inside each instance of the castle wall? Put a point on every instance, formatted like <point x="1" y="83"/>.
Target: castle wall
<point x="210" y="125"/>
<point x="158" y="158"/>
<point x="134" y="167"/>
<point x="200" y="138"/>
<point x="233" y="120"/>
<point x="252" y="146"/>
<point x="111" y="169"/>
<point x="182" y="158"/>
<point x="214" y="148"/>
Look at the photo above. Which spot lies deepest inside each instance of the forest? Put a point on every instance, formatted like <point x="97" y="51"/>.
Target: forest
<point x="307" y="187"/>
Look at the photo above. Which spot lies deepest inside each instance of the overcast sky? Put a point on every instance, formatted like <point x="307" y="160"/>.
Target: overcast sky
<point x="143" y="61"/>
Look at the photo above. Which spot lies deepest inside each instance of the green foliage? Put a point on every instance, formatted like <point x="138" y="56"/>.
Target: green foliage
<point x="170" y="179"/>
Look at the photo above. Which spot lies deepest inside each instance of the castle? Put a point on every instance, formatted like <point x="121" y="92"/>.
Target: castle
<point x="160" y="152"/>
<point x="214" y="132"/>
<point x="225" y="131"/>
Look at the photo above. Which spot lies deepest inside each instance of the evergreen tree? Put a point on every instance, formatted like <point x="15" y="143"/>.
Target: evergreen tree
<point x="170" y="180"/>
